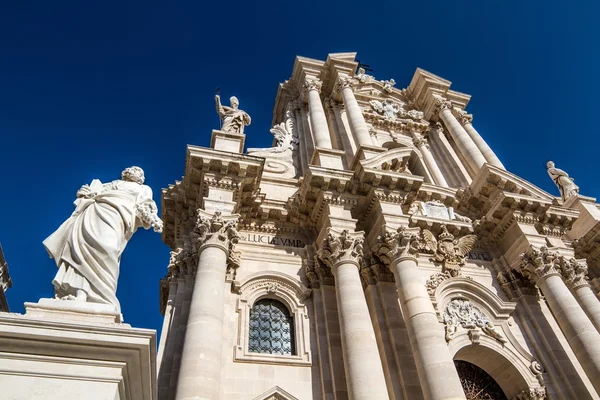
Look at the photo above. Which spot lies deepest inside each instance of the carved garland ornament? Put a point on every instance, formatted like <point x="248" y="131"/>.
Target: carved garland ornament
<point x="461" y="313"/>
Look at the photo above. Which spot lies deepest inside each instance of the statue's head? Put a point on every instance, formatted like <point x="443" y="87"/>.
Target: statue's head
<point x="550" y="164"/>
<point x="133" y="174"/>
<point x="234" y="102"/>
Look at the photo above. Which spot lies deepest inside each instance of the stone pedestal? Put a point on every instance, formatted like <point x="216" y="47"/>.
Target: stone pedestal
<point x="328" y="158"/>
<point x="59" y="351"/>
<point x="227" y="141"/>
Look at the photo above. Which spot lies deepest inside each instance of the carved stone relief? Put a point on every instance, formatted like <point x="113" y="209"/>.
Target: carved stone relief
<point x="461" y="313"/>
<point x="447" y="250"/>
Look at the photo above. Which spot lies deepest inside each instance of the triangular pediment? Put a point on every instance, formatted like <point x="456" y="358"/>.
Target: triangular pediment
<point x="491" y="177"/>
<point x="275" y="393"/>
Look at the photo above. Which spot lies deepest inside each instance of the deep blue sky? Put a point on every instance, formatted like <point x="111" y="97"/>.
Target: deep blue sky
<point x="88" y="88"/>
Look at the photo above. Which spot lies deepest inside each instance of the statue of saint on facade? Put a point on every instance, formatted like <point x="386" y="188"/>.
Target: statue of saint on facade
<point x="88" y="246"/>
<point x="565" y="184"/>
<point x="233" y="118"/>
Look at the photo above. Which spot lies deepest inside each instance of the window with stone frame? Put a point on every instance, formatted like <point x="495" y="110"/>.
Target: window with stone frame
<point x="271" y="328"/>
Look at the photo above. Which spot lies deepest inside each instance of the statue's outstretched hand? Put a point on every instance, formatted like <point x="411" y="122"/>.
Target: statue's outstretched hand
<point x="85" y="191"/>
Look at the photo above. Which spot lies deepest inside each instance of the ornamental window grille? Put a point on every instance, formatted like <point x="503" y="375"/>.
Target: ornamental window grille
<point x="271" y="329"/>
<point x="478" y="384"/>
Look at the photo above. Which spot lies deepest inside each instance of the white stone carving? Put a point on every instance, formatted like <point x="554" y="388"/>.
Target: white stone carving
<point x="566" y="185"/>
<point x="363" y="77"/>
<point x="388" y="86"/>
<point x="448" y="250"/>
<point x="232" y="117"/>
<point x="344" y="247"/>
<point x="461" y="313"/>
<point x="387" y="108"/>
<point x="87" y="247"/>
<point x="538" y="393"/>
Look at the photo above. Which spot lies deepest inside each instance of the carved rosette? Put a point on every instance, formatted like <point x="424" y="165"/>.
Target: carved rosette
<point x="405" y="242"/>
<point x="345" y="247"/>
<point x="218" y="231"/>
<point x="313" y="84"/>
<point x="536" y="264"/>
<point x="574" y="272"/>
<point x="538" y="393"/>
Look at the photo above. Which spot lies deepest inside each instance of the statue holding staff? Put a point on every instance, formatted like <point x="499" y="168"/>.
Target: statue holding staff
<point x="233" y="119"/>
<point x="566" y="185"/>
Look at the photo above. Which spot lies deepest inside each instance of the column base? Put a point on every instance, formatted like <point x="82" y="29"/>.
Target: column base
<point x="56" y="354"/>
<point x="328" y="158"/>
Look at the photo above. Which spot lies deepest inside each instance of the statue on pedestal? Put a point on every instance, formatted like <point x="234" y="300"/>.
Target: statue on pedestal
<point x="87" y="247"/>
<point x="565" y="184"/>
<point x="232" y="117"/>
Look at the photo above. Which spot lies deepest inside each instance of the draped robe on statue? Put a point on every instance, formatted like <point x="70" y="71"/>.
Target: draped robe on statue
<point x="88" y="246"/>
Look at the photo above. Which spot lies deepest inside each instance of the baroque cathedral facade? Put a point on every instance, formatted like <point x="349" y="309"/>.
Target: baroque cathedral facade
<point x="379" y="250"/>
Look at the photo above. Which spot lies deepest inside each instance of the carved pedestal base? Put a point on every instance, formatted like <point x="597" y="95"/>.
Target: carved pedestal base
<point x="73" y="310"/>
<point x="53" y="355"/>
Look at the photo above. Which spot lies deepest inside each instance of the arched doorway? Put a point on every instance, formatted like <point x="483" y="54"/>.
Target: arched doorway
<point x="478" y="384"/>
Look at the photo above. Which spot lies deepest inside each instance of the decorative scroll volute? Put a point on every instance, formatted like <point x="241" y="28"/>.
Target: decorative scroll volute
<point x="404" y="242"/>
<point x="343" y="247"/>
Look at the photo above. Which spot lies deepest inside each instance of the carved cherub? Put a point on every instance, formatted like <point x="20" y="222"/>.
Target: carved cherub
<point x="448" y="251"/>
<point x="387" y="108"/>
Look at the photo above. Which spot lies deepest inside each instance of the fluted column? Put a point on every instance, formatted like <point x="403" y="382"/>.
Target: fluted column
<point x="435" y="366"/>
<point x="200" y="371"/>
<point x="355" y="116"/>
<point x="542" y="267"/>
<point x="466" y="121"/>
<point x="465" y="144"/>
<point x="318" y="120"/>
<point x="432" y="166"/>
<point x="364" y="372"/>
<point x="574" y="273"/>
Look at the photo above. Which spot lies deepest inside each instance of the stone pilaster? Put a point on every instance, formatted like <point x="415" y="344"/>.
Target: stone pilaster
<point x="421" y="144"/>
<point x="543" y="267"/>
<point x="200" y="373"/>
<point x="343" y="253"/>
<point x="435" y="366"/>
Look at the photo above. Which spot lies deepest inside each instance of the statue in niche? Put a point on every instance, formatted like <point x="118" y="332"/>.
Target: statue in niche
<point x="233" y="119"/>
<point x="387" y="108"/>
<point x="87" y="247"/>
<point x="565" y="184"/>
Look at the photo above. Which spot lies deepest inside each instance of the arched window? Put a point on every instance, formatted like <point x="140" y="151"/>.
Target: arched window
<point x="271" y="328"/>
<point x="478" y="384"/>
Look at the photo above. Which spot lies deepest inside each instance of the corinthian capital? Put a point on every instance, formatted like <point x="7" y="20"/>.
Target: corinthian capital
<point x="442" y="104"/>
<point x="574" y="272"/>
<point x="538" y="393"/>
<point x="536" y="264"/>
<point x="215" y="230"/>
<point x="343" y="247"/>
<point x="313" y="84"/>
<point x="393" y="245"/>
<point x="463" y="117"/>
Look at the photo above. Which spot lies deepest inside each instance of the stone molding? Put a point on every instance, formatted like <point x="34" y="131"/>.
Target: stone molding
<point x="342" y="247"/>
<point x="392" y="246"/>
<point x="292" y="293"/>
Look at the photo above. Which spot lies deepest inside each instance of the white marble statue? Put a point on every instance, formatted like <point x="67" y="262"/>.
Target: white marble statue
<point x="88" y="246"/>
<point x="387" y="108"/>
<point x="565" y="184"/>
<point x="233" y="118"/>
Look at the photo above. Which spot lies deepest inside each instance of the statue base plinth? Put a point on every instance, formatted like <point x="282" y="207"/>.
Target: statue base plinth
<point x="73" y="310"/>
<point x="58" y="351"/>
<point x="328" y="158"/>
<point x="227" y="141"/>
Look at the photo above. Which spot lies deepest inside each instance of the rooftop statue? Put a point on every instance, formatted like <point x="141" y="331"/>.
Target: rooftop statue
<point x="232" y="117"/>
<point x="565" y="184"/>
<point x="87" y="247"/>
